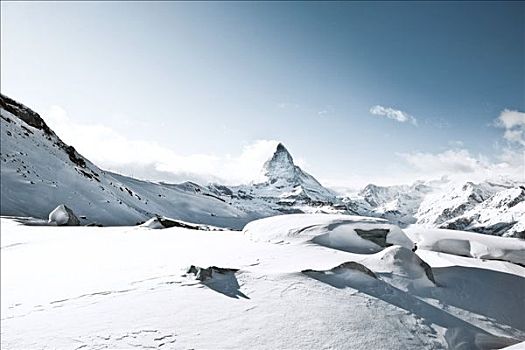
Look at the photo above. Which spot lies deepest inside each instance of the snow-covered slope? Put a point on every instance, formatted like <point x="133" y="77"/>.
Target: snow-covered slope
<point x="132" y="287"/>
<point x="39" y="172"/>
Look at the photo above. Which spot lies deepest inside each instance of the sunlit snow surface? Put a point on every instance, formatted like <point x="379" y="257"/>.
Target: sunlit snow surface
<point x="127" y="287"/>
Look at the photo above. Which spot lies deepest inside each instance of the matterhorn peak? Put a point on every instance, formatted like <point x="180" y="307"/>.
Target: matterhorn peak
<point x="281" y="154"/>
<point x="280" y="164"/>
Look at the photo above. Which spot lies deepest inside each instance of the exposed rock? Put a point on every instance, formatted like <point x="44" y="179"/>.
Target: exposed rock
<point x="161" y="222"/>
<point x="203" y="274"/>
<point x="349" y="265"/>
<point x="27" y="115"/>
<point x="352" y="265"/>
<point x="378" y="236"/>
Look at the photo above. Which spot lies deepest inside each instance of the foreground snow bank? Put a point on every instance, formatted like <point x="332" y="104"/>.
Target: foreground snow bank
<point x="131" y="287"/>
<point x="468" y="244"/>
<point x="403" y="262"/>
<point x="354" y="234"/>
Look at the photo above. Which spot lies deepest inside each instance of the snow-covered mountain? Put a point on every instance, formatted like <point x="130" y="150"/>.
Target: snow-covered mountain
<point x="487" y="207"/>
<point x="289" y="182"/>
<point x="491" y="207"/>
<point x="39" y="172"/>
<point x="398" y="204"/>
<point x="286" y="188"/>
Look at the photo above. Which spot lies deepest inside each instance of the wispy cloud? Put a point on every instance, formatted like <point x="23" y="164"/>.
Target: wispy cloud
<point x="449" y="161"/>
<point x="326" y="111"/>
<point x="514" y="124"/>
<point x="288" y="105"/>
<point x="461" y="164"/>
<point x="149" y="160"/>
<point x="394" y="114"/>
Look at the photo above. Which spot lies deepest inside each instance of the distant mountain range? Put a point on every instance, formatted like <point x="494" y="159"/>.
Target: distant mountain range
<point x="39" y="172"/>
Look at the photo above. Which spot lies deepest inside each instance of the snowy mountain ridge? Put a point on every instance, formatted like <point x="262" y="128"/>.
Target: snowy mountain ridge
<point x="491" y="207"/>
<point x="39" y="171"/>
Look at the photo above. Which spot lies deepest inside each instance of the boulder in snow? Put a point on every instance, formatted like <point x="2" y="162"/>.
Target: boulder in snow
<point x="63" y="216"/>
<point x="344" y="267"/>
<point x="202" y="274"/>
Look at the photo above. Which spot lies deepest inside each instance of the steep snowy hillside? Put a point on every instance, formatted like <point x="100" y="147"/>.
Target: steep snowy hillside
<point x="39" y="172"/>
<point x="308" y="288"/>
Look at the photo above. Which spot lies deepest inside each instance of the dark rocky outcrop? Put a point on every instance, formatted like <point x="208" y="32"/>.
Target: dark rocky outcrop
<point x="203" y="274"/>
<point x="378" y="236"/>
<point x="27" y="115"/>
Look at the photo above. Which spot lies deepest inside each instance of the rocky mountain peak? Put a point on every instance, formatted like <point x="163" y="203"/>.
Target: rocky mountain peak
<point x="280" y="165"/>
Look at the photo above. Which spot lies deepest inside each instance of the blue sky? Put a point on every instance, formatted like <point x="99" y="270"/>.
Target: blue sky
<point x="158" y="89"/>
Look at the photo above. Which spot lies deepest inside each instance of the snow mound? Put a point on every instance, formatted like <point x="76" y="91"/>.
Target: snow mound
<point x="469" y="244"/>
<point x="405" y="263"/>
<point x="161" y="222"/>
<point x="63" y="216"/>
<point x="354" y="234"/>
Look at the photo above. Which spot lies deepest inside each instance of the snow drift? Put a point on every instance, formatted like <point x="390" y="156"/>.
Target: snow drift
<point x="353" y="234"/>
<point x="468" y="244"/>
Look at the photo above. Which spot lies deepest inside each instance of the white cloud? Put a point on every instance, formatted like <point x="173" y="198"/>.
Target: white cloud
<point x="393" y="114"/>
<point x="462" y="165"/>
<point x="323" y="113"/>
<point x="288" y="105"/>
<point x="149" y="160"/>
<point x="514" y="124"/>
<point x="449" y="161"/>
